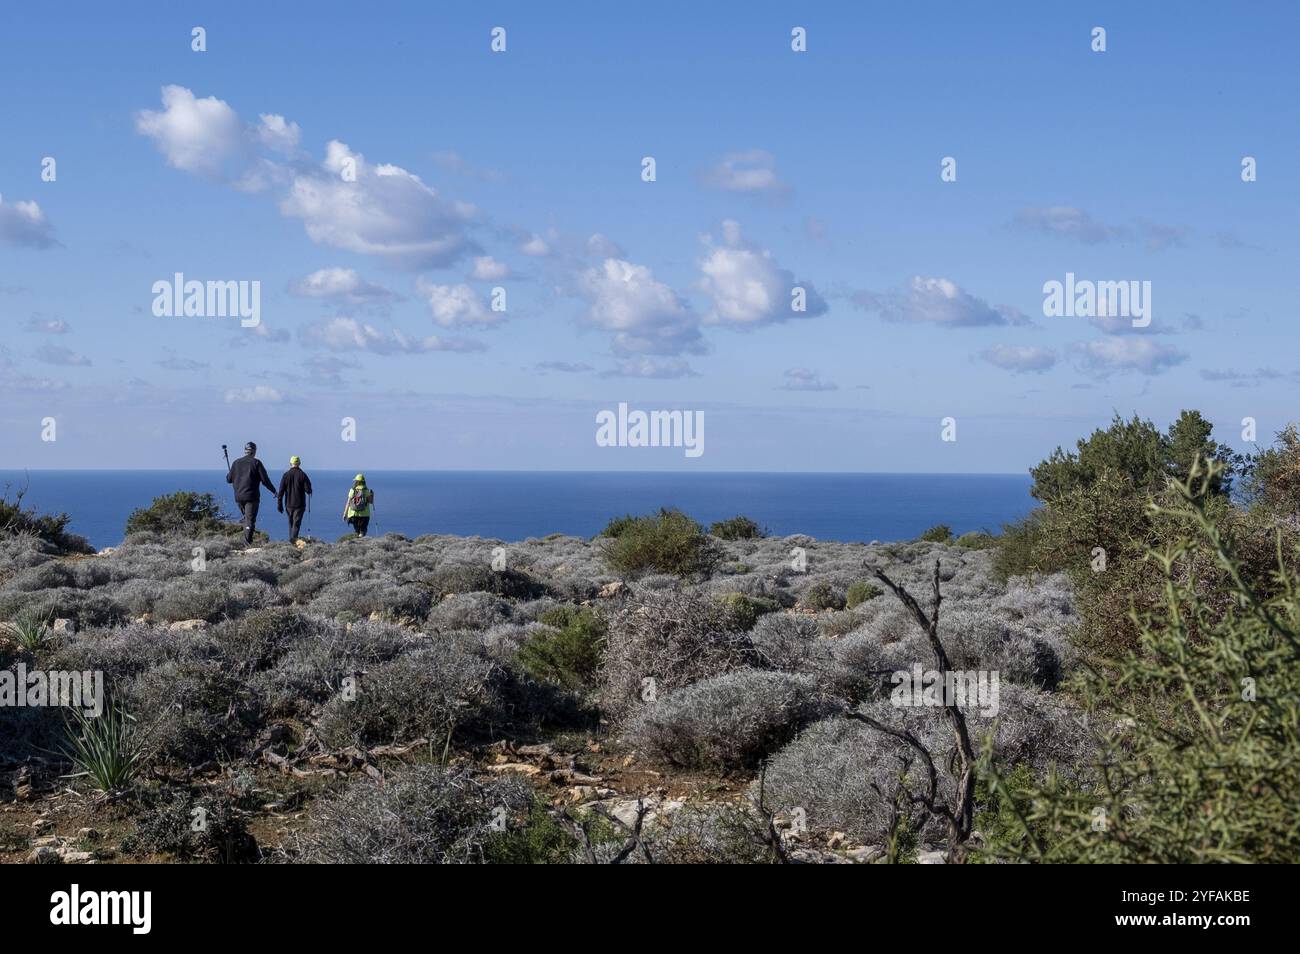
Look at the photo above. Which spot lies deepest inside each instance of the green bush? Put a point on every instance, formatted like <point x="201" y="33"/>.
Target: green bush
<point x="977" y="540"/>
<point x="569" y="653"/>
<point x="1200" y="765"/>
<point x="17" y="520"/>
<point x="538" y="840"/>
<point x="208" y="828"/>
<point x="1096" y="526"/>
<point x="666" y="542"/>
<point x="744" y="610"/>
<point x="940" y="533"/>
<point x="737" y="528"/>
<point x="618" y="525"/>
<point x="1021" y="550"/>
<point x="1271" y="478"/>
<point x="1137" y="454"/>
<point x="183" y="513"/>
<point x="860" y="592"/>
<point x="1004" y="833"/>
<point x="822" y="596"/>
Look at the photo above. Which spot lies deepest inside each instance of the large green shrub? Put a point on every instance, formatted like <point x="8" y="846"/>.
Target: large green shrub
<point x="737" y="528"/>
<point x="1095" y="523"/>
<point x="666" y="542"/>
<point x="1271" y="478"/>
<point x="17" y="520"/>
<point x="1137" y="454"/>
<point x="940" y="533"/>
<point x="568" y="652"/>
<point x="1199" y="723"/>
<point x="184" y="512"/>
<point x="976" y="540"/>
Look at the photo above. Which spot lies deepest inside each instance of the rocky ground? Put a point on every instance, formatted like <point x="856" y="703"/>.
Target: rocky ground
<point x="463" y="699"/>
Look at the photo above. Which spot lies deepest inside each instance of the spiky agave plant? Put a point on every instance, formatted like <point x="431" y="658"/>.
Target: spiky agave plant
<point x="31" y="631"/>
<point x="109" y="749"/>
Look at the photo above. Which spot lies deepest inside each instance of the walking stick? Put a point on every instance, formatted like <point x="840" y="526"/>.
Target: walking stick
<point x="226" y="454"/>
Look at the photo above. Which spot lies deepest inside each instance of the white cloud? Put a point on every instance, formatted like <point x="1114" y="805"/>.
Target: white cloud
<point x="344" y="202"/>
<point x="747" y="287"/>
<point x="1020" y="358"/>
<point x="937" y="301"/>
<point x="645" y="315"/>
<point x="752" y="172"/>
<point x="647" y="366"/>
<point x="456" y="305"/>
<point x="263" y="331"/>
<point x="488" y="269"/>
<point x="260" y="394"/>
<point x="564" y="367"/>
<point x="805" y="379"/>
<point x="1123" y="325"/>
<point x="348" y="334"/>
<point x="276" y="133"/>
<point x="1066" y="222"/>
<point x="386" y="211"/>
<point x="535" y="246"/>
<point x="203" y="136"/>
<point x="23" y="223"/>
<point x="1107" y="356"/>
<point x="342" y="286"/>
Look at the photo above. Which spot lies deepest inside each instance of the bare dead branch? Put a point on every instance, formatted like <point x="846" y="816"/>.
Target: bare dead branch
<point x="960" y="816"/>
<point x="773" y="836"/>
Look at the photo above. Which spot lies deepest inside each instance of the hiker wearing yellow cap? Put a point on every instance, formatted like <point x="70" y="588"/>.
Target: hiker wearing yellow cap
<point x="361" y="501"/>
<point x="295" y="489"/>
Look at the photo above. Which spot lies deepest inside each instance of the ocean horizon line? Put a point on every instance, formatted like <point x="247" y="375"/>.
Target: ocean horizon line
<point x="541" y="470"/>
<point x="517" y="504"/>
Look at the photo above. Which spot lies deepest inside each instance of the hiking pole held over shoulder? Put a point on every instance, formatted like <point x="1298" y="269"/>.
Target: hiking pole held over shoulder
<point x="226" y="454"/>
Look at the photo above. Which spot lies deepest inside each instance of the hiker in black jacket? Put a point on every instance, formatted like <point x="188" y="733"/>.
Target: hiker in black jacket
<point x="295" y="488"/>
<point x="249" y="477"/>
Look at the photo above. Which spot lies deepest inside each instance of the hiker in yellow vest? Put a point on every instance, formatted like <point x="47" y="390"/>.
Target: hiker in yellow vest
<point x="361" y="501"/>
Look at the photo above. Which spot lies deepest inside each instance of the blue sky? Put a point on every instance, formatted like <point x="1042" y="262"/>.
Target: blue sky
<point x="522" y="170"/>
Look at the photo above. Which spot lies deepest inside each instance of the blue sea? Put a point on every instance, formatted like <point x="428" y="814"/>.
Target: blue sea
<point x="515" y="505"/>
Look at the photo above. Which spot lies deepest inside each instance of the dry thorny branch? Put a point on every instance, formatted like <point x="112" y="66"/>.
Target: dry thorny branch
<point x="959" y="815"/>
<point x="582" y="828"/>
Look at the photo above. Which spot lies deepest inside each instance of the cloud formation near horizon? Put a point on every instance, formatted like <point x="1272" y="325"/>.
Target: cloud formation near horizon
<point x="1107" y="356"/>
<point x="937" y="301"/>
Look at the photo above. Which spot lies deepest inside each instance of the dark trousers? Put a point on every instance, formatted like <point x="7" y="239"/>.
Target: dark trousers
<point x="295" y="522"/>
<point x="360" y="525"/>
<point x="249" y="509"/>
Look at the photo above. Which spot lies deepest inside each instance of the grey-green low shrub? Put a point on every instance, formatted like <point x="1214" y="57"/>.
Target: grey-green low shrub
<point x="423" y="815"/>
<point x="728" y="722"/>
<point x="425" y="693"/>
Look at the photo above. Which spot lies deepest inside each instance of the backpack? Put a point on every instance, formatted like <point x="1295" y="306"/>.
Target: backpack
<point x="359" y="499"/>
